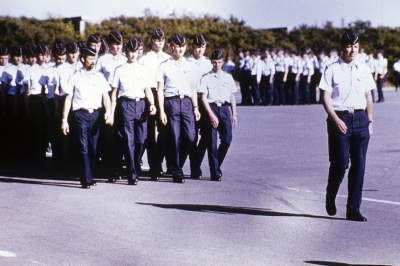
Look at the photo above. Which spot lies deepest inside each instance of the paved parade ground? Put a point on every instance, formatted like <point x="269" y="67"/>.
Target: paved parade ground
<point x="268" y="209"/>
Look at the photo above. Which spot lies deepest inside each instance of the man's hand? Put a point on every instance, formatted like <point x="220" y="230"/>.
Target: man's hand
<point x="65" y="127"/>
<point x="108" y="119"/>
<point x="234" y="120"/>
<point x="371" y="130"/>
<point x="214" y="121"/>
<point x="163" y="118"/>
<point x="341" y="126"/>
<point x="196" y="114"/>
<point x="153" y="109"/>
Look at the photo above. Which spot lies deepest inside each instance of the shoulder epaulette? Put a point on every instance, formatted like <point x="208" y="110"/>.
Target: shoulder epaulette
<point x="331" y="64"/>
<point x="164" y="61"/>
<point x="205" y="74"/>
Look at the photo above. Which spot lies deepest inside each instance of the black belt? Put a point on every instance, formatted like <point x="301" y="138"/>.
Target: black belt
<point x="177" y="97"/>
<point x="89" y="111"/>
<point x="220" y="104"/>
<point x="137" y="99"/>
<point x="350" y="111"/>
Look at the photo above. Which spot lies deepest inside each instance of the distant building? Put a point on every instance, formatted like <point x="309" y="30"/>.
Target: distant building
<point x="79" y="24"/>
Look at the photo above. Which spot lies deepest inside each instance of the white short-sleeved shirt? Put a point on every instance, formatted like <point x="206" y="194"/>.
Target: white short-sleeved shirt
<point x="268" y="67"/>
<point x="32" y="77"/>
<point x="13" y="76"/>
<point x="396" y="66"/>
<point x="280" y="64"/>
<point x="297" y="65"/>
<point x="218" y="88"/>
<point x="87" y="88"/>
<point x="77" y="66"/>
<point x="256" y="68"/>
<point x="323" y="63"/>
<point x="371" y="62"/>
<point x="177" y="79"/>
<point x="2" y="68"/>
<point x="348" y="85"/>
<point x="152" y="61"/>
<point x="62" y="75"/>
<point x="49" y="79"/>
<point x="130" y="80"/>
<point x="308" y="67"/>
<point x="381" y="65"/>
<point x="107" y="64"/>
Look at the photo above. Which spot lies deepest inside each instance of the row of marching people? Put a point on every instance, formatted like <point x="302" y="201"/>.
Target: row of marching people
<point x="111" y="105"/>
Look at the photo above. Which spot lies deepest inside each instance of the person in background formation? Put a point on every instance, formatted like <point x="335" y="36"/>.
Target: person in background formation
<point x="130" y="85"/>
<point x="293" y="82"/>
<point x="86" y="90"/>
<point x="178" y="105"/>
<point x="349" y="106"/>
<point x="323" y="61"/>
<point x="217" y="90"/>
<point x="4" y="58"/>
<point x="35" y="107"/>
<point x="242" y="75"/>
<point x="313" y="84"/>
<point x="141" y="46"/>
<point x="282" y="70"/>
<point x="380" y="74"/>
<point x="229" y="66"/>
<point x="396" y="68"/>
<point x="307" y="71"/>
<point x="333" y="56"/>
<point x="103" y="48"/>
<point x="371" y="63"/>
<point x="255" y="76"/>
<point x="156" y="144"/>
<point x="203" y="65"/>
<point x="267" y="79"/>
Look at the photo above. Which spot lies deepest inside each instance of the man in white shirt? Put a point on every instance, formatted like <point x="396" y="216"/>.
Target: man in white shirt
<point x="156" y="144"/>
<point x="380" y="74"/>
<point x="87" y="89"/>
<point x="396" y="68"/>
<point x="255" y="76"/>
<point x="347" y="86"/>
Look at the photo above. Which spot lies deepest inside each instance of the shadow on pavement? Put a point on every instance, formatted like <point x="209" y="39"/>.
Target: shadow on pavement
<point x="331" y="263"/>
<point x="234" y="210"/>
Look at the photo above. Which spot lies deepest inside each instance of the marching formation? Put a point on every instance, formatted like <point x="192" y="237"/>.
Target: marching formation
<point x="288" y="77"/>
<point x="109" y="101"/>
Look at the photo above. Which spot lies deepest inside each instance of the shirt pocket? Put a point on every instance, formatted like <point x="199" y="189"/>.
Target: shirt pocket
<point x="362" y="83"/>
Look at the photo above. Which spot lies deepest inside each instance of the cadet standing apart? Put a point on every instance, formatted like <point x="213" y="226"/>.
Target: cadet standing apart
<point x="217" y="90"/>
<point x="380" y="74"/>
<point x="177" y="96"/>
<point x="86" y="90"/>
<point x="347" y="99"/>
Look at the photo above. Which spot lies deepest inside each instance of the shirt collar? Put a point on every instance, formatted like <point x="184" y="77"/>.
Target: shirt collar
<point x="343" y="64"/>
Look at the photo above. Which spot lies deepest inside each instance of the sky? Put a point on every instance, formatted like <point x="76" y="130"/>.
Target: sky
<point x="258" y="14"/>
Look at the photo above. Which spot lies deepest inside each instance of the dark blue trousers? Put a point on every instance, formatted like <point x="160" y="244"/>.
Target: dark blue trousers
<point x="279" y="89"/>
<point x="255" y="90"/>
<point x="87" y="129"/>
<point x="380" y="82"/>
<point x="343" y="148"/>
<point x="180" y="132"/>
<point x="216" y="155"/>
<point x="244" y="80"/>
<point x="198" y="150"/>
<point x="266" y="90"/>
<point x="293" y="96"/>
<point x="132" y="133"/>
<point x="305" y="89"/>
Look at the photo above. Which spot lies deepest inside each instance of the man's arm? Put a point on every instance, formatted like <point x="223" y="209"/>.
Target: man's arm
<point x="106" y="103"/>
<point x="213" y="117"/>
<point x="65" y="112"/>
<point x="329" y="110"/>
<point x="113" y="104"/>
<point x="233" y="108"/>
<point x="150" y="99"/>
<point x="369" y="110"/>
<point x="160" y="95"/>
<point x="195" y="103"/>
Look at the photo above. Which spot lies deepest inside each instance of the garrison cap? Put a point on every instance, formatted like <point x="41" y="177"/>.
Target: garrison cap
<point x="139" y="41"/>
<point x="349" y="38"/>
<point x="29" y="50"/>
<point x="41" y="48"/>
<point x="157" y="34"/>
<point x="217" y="54"/>
<point x="59" y="49"/>
<point x="239" y="50"/>
<point x="295" y="52"/>
<point x="4" y="51"/>
<point x="263" y="55"/>
<point x="169" y="41"/>
<point x="71" y="47"/>
<point x="88" y="51"/>
<point x="81" y="45"/>
<point x="115" y="37"/>
<point x="16" y="51"/>
<point x="199" y="40"/>
<point x="132" y="45"/>
<point x="255" y="52"/>
<point x="103" y="47"/>
<point x="94" y="38"/>
<point x="178" y="39"/>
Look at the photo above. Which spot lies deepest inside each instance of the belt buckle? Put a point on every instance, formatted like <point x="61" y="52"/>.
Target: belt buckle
<point x="351" y="111"/>
<point x="137" y="99"/>
<point x="90" y="111"/>
<point x="219" y="104"/>
<point x="181" y="96"/>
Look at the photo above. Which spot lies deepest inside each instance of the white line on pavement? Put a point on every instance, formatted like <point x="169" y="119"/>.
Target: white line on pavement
<point x="7" y="254"/>
<point x="343" y="196"/>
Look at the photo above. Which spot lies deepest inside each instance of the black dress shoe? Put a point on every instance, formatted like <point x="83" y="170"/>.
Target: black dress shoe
<point x="85" y="186"/>
<point x="154" y="177"/>
<point x="196" y="176"/>
<point x="93" y="183"/>
<point x="133" y="182"/>
<point x="216" y="178"/>
<point x="355" y="216"/>
<point x="330" y="206"/>
<point x="178" y="179"/>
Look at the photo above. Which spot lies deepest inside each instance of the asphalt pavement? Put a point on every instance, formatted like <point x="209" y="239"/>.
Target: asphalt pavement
<point x="267" y="210"/>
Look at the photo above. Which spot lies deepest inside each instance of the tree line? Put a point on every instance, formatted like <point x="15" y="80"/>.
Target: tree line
<point x="220" y="33"/>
